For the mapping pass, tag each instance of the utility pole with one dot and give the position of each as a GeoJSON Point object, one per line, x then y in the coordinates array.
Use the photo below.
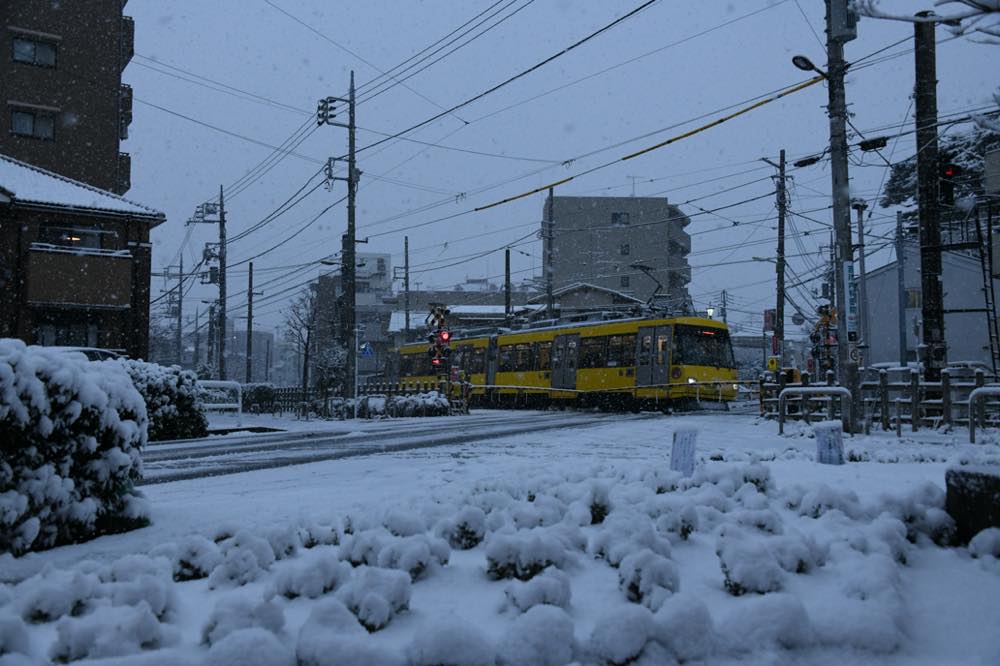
{"type": "Point", "coordinates": [840, 28]}
{"type": "Point", "coordinates": [197, 339]}
{"type": "Point", "coordinates": [326, 112]}
{"type": "Point", "coordinates": [179, 343]}
{"type": "Point", "coordinates": [250, 295]}
{"type": "Point", "coordinates": [550, 301]}
{"type": "Point", "coordinates": [779, 264]}
{"type": "Point", "coordinates": [860, 205]}
{"type": "Point", "coordinates": [222, 285]}
{"type": "Point", "coordinates": [901, 289]}
{"type": "Point", "coordinates": [725, 303]}
{"type": "Point", "coordinates": [506, 287]}
{"type": "Point", "coordinates": [267, 362]}
{"type": "Point", "coordinates": [925, 104]}
{"type": "Point", "coordinates": [406, 284]}
{"type": "Point", "coordinates": [211, 336]}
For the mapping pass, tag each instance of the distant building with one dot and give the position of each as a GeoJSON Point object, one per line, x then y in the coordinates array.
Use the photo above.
{"type": "Point", "coordinates": [236, 356]}
{"type": "Point", "coordinates": [965, 320]}
{"type": "Point", "coordinates": [65, 108]}
{"type": "Point", "coordinates": [600, 240]}
{"type": "Point", "coordinates": [74, 262]}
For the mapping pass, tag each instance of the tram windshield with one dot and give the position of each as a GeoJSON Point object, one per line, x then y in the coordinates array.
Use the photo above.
{"type": "Point", "coordinates": [696, 345]}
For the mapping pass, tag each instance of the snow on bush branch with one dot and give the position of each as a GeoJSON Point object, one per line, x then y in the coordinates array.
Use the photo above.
{"type": "Point", "coordinates": [70, 435]}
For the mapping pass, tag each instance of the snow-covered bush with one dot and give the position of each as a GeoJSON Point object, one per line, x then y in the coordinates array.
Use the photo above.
{"type": "Point", "coordinates": [109, 631]}
{"type": "Point", "coordinates": [241, 612]}
{"type": "Point", "coordinates": [774, 620]}
{"type": "Point", "coordinates": [451, 642]}
{"type": "Point", "coordinates": [250, 647]}
{"type": "Point", "coordinates": [431, 403]}
{"type": "Point", "coordinates": [375, 595]}
{"type": "Point", "coordinates": [195, 557]}
{"type": "Point", "coordinates": [525, 553]}
{"type": "Point", "coordinates": [332, 637]}
{"type": "Point", "coordinates": [313, 535]}
{"type": "Point", "coordinates": [647, 578]}
{"type": "Point", "coordinates": [594, 505]}
{"type": "Point", "coordinates": [70, 435]}
{"type": "Point", "coordinates": [258, 397]}
{"type": "Point", "coordinates": [403, 523]}
{"type": "Point", "coordinates": [683, 522]}
{"type": "Point", "coordinates": [172, 400]}
{"type": "Point", "coordinates": [13, 636]}
{"type": "Point", "coordinates": [986, 543]}
{"type": "Point", "coordinates": [465, 530]}
{"type": "Point", "coordinates": [748, 565]}
{"type": "Point", "coordinates": [414, 554]}
{"type": "Point", "coordinates": [543, 636]}
{"type": "Point", "coordinates": [684, 626]}
{"type": "Point", "coordinates": [53, 594]}
{"type": "Point", "coordinates": [621, 635]}
{"type": "Point", "coordinates": [312, 577]}
{"type": "Point", "coordinates": [284, 541]}
{"type": "Point", "coordinates": [550, 587]}
{"type": "Point", "coordinates": [624, 533]}
{"type": "Point", "coordinates": [245, 557]}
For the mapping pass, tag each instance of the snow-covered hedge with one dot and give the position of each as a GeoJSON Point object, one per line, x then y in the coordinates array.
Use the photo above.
{"type": "Point", "coordinates": [172, 400]}
{"type": "Point", "coordinates": [431, 403]}
{"type": "Point", "coordinates": [70, 435]}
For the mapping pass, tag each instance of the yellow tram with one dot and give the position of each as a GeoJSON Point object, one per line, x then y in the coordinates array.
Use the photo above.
{"type": "Point", "coordinates": [655, 362]}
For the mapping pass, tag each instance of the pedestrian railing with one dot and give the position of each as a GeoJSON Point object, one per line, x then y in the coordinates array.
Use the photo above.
{"type": "Point", "coordinates": [805, 393]}
{"type": "Point", "coordinates": [223, 406]}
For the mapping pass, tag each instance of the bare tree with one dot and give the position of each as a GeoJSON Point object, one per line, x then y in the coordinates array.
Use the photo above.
{"type": "Point", "coordinates": [300, 325]}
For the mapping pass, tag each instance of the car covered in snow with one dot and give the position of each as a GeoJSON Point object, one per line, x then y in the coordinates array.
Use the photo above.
{"type": "Point", "coordinates": [92, 353]}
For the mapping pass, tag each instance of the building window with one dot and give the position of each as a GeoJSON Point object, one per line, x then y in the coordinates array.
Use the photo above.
{"type": "Point", "coordinates": [70, 237]}
{"type": "Point", "coordinates": [34, 52]}
{"type": "Point", "coordinates": [381, 265]}
{"type": "Point", "coordinates": [625, 249]}
{"type": "Point", "coordinates": [619, 219]}
{"type": "Point", "coordinates": [625, 280]}
{"type": "Point", "coordinates": [913, 298]}
{"type": "Point", "coordinates": [36, 124]}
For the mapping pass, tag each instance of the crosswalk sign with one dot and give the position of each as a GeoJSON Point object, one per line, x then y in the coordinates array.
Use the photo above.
{"type": "Point", "coordinates": [366, 350]}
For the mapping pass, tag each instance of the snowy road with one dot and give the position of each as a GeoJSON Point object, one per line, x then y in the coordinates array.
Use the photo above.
{"type": "Point", "coordinates": [192, 459]}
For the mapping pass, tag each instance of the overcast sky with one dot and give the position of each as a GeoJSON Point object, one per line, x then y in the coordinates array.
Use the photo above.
{"type": "Point", "coordinates": [676, 75]}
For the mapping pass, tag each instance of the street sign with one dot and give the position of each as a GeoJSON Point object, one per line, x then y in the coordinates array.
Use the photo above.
{"type": "Point", "coordinates": [854, 353]}
{"type": "Point", "coordinates": [851, 291]}
{"type": "Point", "coordinates": [798, 319]}
{"type": "Point", "coordinates": [769, 318]}
{"type": "Point", "coordinates": [366, 350]}
{"type": "Point", "coordinates": [683, 450]}
{"type": "Point", "coordinates": [829, 442]}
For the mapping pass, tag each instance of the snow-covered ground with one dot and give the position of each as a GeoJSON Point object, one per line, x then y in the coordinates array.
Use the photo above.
{"type": "Point", "coordinates": [829, 570]}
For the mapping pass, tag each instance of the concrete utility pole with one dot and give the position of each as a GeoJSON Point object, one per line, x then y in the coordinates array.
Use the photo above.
{"type": "Point", "coordinates": [779, 264]}
{"type": "Point", "coordinates": [325, 114]}
{"type": "Point", "coordinates": [860, 205]}
{"type": "Point", "coordinates": [506, 287]}
{"type": "Point", "coordinates": [840, 28]}
{"type": "Point", "coordinates": [550, 301]}
{"type": "Point", "coordinates": [250, 294]}
{"type": "Point", "coordinates": [222, 285]}
{"type": "Point", "coordinates": [197, 339]}
{"type": "Point", "coordinates": [406, 285]}
{"type": "Point", "coordinates": [267, 362]}
{"type": "Point", "coordinates": [179, 342]}
{"type": "Point", "coordinates": [211, 336]}
{"type": "Point", "coordinates": [725, 303]}
{"type": "Point", "coordinates": [901, 290]}
{"type": "Point", "coordinates": [925, 104]}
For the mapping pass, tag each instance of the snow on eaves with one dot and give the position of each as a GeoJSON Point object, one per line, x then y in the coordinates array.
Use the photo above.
{"type": "Point", "coordinates": [33, 185]}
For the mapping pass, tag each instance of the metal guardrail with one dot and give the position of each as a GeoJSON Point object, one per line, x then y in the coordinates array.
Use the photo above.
{"type": "Point", "coordinates": [975, 398]}
{"type": "Point", "coordinates": [224, 406]}
{"type": "Point", "coordinates": [845, 402]}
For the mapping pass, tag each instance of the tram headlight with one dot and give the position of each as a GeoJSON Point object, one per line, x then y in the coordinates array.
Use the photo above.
{"type": "Point", "coordinates": [736, 387]}
{"type": "Point", "coordinates": [691, 380]}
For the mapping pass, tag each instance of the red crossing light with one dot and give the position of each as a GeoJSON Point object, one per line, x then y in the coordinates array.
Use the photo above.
{"type": "Point", "coordinates": [445, 336]}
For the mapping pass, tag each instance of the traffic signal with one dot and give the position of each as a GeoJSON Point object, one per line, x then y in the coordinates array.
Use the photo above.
{"type": "Point", "coordinates": [325, 111]}
{"type": "Point", "coordinates": [947, 174]}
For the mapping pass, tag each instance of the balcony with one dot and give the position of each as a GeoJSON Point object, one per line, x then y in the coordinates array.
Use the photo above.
{"type": "Point", "coordinates": [71, 278]}
{"type": "Point", "coordinates": [127, 41]}
{"type": "Point", "coordinates": [124, 110]}
{"type": "Point", "coordinates": [124, 182]}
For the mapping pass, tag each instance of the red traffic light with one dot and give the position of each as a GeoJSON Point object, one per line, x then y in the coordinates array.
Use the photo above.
{"type": "Point", "coordinates": [435, 361]}
{"type": "Point", "coordinates": [445, 336]}
{"type": "Point", "coordinates": [950, 170]}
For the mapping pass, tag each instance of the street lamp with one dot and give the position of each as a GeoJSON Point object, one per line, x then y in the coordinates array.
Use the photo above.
{"type": "Point", "coordinates": [710, 311]}
{"type": "Point", "coordinates": [806, 65]}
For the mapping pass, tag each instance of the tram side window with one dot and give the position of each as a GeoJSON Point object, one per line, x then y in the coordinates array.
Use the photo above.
{"type": "Point", "coordinates": [543, 356]}
{"type": "Point", "coordinates": [405, 365]}
{"type": "Point", "coordinates": [621, 351]}
{"type": "Point", "coordinates": [593, 352]}
{"type": "Point", "coordinates": [477, 362]}
{"type": "Point", "coordinates": [506, 358]}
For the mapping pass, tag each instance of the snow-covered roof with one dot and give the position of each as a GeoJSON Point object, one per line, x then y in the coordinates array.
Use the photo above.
{"type": "Point", "coordinates": [33, 185]}
{"type": "Point", "coordinates": [587, 285]}
{"type": "Point", "coordinates": [397, 320]}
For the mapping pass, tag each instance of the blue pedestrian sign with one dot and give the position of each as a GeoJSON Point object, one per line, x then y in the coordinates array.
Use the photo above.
{"type": "Point", "coordinates": [366, 350]}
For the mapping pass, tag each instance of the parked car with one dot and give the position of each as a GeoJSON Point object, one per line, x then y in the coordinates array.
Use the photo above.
{"type": "Point", "coordinates": [92, 353]}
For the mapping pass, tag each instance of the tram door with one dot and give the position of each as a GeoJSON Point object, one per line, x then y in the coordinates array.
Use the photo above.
{"type": "Point", "coordinates": [652, 355]}
{"type": "Point", "coordinates": [490, 363]}
{"type": "Point", "coordinates": [565, 350]}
